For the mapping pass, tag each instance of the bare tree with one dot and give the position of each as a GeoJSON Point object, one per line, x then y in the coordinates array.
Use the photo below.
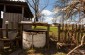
{"type": "Point", "coordinates": [36, 5]}
{"type": "Point", "coordinates": [60, 4]}
{"type": "Point", "coordinates": [72, 8]}
{"type": "Point", "coordinates": [75, 7]}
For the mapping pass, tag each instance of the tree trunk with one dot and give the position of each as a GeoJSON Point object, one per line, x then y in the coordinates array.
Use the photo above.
{"type": "Point", "coordinates": [36, 16]}
{"type": "Point", "coordinates": [36, 19]}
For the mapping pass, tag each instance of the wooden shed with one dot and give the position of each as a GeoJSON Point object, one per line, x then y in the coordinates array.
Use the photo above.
{"type": "Point", "coordinates": [15, 11]}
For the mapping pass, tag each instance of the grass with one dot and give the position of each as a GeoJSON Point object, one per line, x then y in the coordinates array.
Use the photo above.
{"type": "Point", "coordinates": [53, 30]}
{"type": "Point", "coordinates": [60, 53]}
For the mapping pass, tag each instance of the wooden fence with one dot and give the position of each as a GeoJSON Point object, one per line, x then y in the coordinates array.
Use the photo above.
{"type": "Point", "coordinates": [70, 33]}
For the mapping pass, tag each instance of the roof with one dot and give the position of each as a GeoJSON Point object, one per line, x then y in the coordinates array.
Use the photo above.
{"type": "Point", "coordinates": [16, 7]}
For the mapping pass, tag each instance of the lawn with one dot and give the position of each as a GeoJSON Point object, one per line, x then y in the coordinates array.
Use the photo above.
{"type": "Point", "coordinates": [60, 53]}
{"type": "Point", "coordinates": [53, 30]}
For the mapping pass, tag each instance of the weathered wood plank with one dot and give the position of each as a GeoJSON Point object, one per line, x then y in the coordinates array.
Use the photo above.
{"type": "Point", "coordinates": [76, 31]}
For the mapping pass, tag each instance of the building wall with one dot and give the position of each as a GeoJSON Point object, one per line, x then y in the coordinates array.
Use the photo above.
{"type": "Point", "coordinates": [14, 19]}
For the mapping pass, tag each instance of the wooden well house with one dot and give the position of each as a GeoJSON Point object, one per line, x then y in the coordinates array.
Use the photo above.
{"type": "Point", "coordinates": [13, 13]}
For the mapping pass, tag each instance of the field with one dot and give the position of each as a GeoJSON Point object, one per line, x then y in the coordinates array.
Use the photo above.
{"type": "Point", "coordinates": [53, 30]}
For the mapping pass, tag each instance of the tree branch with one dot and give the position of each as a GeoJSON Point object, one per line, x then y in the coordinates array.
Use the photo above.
{"type": "Point", "coordinates": [33, 2]}
{"type": "Point", "coordinates": [82, 43]}
{"type": "Point", "coordinates": [30, 4]}
{"type": "Point", "coordinates": [45, 6]}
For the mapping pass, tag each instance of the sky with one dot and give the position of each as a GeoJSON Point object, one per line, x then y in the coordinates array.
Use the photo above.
{"type": "Point", "coordinates": [48, 16]}
{"type": "Point", "coordinates": [48, 11]}
{"type": "Point", "coordinates": [51, 5]}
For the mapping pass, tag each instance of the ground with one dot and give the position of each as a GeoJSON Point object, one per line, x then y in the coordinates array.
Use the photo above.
{"type": "Point", "coordinates": [39, 52]}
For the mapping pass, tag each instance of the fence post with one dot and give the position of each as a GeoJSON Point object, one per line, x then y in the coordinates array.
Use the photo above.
{"type": "Point", "coordinates": [81, 30]}
{"type": "Point", "coordinates": [78, 27]}
{"type": "Point", "coordinates": [59, 32]}
{"type": "Point", "coordinates": [6, 23]}
{"type": "Point", "coordinates": [66, 30]}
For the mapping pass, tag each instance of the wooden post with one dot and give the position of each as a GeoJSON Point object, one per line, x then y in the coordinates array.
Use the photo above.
{"type": "Point", "coordinates": [77, 35]}
{"type": "Point", "coordinates": [84, 26]}
{"type": "Point", "coordinates": [4, 8]}
{"type": "Point", "coordinates": [0, 13]}
{"type": "Point", "coordinates": [21, 28]}
{"type": "Point", "coordinates": [0, 25]}
{"type": "Point", "coordinates": [6, 23]}
{"type": "Point", "coordinates": [81, 30]}
{"type": "Point", "coordinates": [62, 26]}
{"type": "Point", "coordinates": [59, 32]}
{"type": "Point", "coordinates": [72, 26]}
{"type": "Point", "coordinates": [48, 28]}
{"type": "Point", "coordinates": [6, 30]}
{"type": "Point", "coordinates": [74, 32]}
{"type": "Point", "coordinates": [0, 20]}
{"type": "Point", "coordinates": [22, 13]}
{"type": "Point", "coordinates": [66, 29]}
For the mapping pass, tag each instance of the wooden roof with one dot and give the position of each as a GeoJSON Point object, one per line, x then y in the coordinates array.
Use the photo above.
{"type": "Point", "coordinates": [16, 7]}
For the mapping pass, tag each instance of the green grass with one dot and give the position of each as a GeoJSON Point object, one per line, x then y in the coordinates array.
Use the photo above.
{"type": "Point", "coordinates": [53, 30]}
{"type": "Point", "coordinates": [40, 27]}
{"type": "Point", "coordinates": [60, 53]}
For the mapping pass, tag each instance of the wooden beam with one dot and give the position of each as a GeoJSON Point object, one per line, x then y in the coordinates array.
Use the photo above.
{"type": "Point", "coordinates": [34, 24]}
{"type": "Point", "coordinates": [22, 13]}
{"type": "Point", "coordinates": [12, 5]}
{"type": "Point", "coordinates": [0, 13]}
{"type": "Point", "coordinates": [21, 28]}
{"type": "Point", "coordinates": [82, 0]}
{"type": "Point", "coordinates": [4, 8]}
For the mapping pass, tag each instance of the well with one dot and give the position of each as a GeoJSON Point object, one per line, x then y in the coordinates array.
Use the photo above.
{"type": "Point", "coordinates": [35, 39]}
